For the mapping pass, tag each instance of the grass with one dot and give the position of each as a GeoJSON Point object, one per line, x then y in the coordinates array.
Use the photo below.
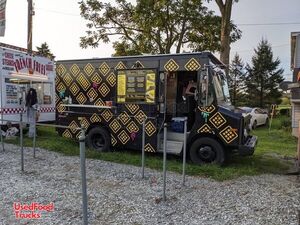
{"type": "Point", "coordinates": [269, 155]}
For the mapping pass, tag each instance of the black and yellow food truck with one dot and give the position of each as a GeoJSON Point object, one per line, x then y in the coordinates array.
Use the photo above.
{"type": "Point", "coordinates": [111, 98]}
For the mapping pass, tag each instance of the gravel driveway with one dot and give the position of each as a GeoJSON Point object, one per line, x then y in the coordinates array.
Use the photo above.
{"type": "Point", "coordinates": [117, 194]}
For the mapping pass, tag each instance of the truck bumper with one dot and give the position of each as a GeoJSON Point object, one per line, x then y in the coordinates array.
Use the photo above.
{"type": "Point", "coordinates": [248, 147]}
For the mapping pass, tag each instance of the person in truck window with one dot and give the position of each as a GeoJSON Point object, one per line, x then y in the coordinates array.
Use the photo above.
{"type": "Point", "coordinates": [31, 105]}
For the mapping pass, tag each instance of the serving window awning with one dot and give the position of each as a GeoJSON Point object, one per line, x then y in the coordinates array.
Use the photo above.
{"type": "Point", "coordinates": [29, 77]}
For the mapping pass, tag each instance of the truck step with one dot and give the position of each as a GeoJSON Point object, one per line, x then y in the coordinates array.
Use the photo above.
{"type": "Point", "coordinates": [173, 147]}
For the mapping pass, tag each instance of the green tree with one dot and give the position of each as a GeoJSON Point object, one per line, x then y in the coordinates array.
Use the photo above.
{"type": "Point", "coordinates": [236, 81]}
{"type": "Point", "coordinates": [44, 50]}
{"type": "Point", "coordinates": [263, 77]}
{"type": "Point", "coordinates": [152, 26]}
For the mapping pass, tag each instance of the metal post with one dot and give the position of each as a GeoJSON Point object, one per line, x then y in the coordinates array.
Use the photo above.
{"type": "Point", "coordinates": [184, 151]}
{"type": "Point", "coordinates": [83, 174]}
{"type": "Point", "coordinates": [143, 149]}
{"type": "Point", "coordinates": [21, 141]}
{"type": "Point", "coordinates": [2, 139]}
{"type": "Point", "coordinates": [165, 162]}
{"type": "Point", "coordinates": [34, 132]}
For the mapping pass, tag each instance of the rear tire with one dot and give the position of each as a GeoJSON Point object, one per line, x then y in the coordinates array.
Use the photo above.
{"type": "Point", "coordinates": [207, 151]}
{"type": "Point", "coordinates": [267, 122]}
{"type": "Point", "coordinates": [99, 139]}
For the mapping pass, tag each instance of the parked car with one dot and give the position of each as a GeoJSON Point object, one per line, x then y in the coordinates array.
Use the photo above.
{"type": "Point", "coordinates": [259, 117]}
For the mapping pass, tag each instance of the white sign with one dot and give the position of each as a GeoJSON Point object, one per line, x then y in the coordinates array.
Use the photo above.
{"type": "Point", "coordinates": [2, 17]}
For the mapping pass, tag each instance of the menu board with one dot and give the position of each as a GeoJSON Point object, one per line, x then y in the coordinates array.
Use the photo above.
{"type": "Point", "coordinates": [134, 86]}
{"type": "Point", "coordinates": [11, 94]}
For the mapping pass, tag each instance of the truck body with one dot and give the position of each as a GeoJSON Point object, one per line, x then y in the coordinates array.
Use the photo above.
{"type": "Point", "coordinates": [20, 71]}
{"type": "Point", "coordinates": [111, 98]}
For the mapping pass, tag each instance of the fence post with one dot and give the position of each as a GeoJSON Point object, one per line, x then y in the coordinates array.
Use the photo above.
{"type": "Point", "coordinates": [165, 162]}
{"type": "Point", "coordinates": [2, 139]}
{"type": "Point", "coordinates": [184, 151]}
{"type": "Point", "coordinates": [143, 149]}
{"type": "Point", "coordinates": [34, 132]}
{"type": "Point", "coordinates": [298, 147]}
{"type": "Point", "coordinates": [83, 174]}
{"type": "Point", "coordinates": [21, 141]}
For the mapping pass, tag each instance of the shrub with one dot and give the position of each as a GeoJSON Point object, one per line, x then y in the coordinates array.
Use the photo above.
{"type": "Point", "coordinates": [286, 124]}
{"type": "Point", "coordinates": [284, 112]}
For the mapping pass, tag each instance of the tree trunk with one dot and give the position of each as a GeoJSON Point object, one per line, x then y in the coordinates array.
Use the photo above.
{"type": "Point", "coordinates": [225, 9]}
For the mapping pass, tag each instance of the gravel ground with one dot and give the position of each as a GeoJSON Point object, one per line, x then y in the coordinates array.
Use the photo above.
{"type": "Point", "coordinates": [117, 194]}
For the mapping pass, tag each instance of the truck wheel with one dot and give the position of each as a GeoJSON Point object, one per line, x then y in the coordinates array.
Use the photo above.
{"type": "Point", "coordinates": [207, 150]}
{"type": "Point", "coordinates": [98, 139]}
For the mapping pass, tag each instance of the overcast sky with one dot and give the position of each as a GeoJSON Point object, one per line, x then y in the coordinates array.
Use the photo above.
{"type": "Point", "coordinates": [58, 23]}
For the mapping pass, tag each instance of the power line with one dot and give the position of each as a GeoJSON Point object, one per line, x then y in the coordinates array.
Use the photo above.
{"type": "Point", "coordinates": [267, 24]}
{"type": "Point", "coordinates": [238, 24]}
{"type": "Point", "coordinates": [58, 12]}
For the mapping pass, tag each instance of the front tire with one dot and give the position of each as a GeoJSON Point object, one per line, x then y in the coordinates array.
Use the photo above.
{"type": "Point", "coordinates": [206, 151]}
{"type": "Point", "coordinates": [99, 139]}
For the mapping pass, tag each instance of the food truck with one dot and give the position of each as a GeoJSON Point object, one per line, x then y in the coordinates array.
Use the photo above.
{"type": "Point", "coordinates": [111, 98]}
{"type": "Point", "coordinates": [19, 72]}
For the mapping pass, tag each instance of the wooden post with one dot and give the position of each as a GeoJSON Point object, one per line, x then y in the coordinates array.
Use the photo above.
{"type": "Point", "coordinates": [298, 147]}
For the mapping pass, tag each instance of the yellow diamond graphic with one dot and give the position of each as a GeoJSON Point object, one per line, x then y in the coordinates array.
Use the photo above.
{"type": "Point", "coordinates": [74, 89]}
{"type": "Point", "coordinates": [104, 89]}
{"type": "Point", "coordinates": [192, 65]}
{"type": "Point", "coordinates": [120, 66]}
{"type": "Point", "coordinates": [61, 69]}
{"type": "Point", "coordinates": [60, 108]}
{"type": "Point", "coordinates": [133, 108]}
{"type": "Point", "coordinates": [73, 126]}
{"type": "Point", "coordinates": [75, 70]}
{"type": "Point", "coordinates": [95, 118]}
{"type": "Point", "coordinates": [57, 80]}
{"type": "Point", "coordinates": [217, 120]}
{"type": "Point", "coordinates": [104, 68]}
{"type": "Point", "coordinates": [205, 129]}
{"type": "Point", "coordinates": [111, 79]}
{"type": "Point", "coordinates": [81, 99]}
{"type": "Point", "coordinates": [113, 141]}
{"type": "Point", "coordinates": [99, 102]}
{"type": "Point", "coordinates": [149, 148]}
{"type": "Point", "coordinates": [96, 78]}
{"type": "Point", "coordinates": [67, 134]}
{"type": "Point", "coordinates": [84, 122]}
{"type": "Point", "coordinates": [68, 79]}
{"type": "Point", "coordinates": [137, 64]}
{"type": "Point", "coordinates": [140, 116]}
{"type": "Point", "coordinates": [207, 109]}
{"type": "Point", "coordinates": [124, 117]}
{"type": "Point", "coordinates": [228, 134]}
{"type": "Point", "coordinates": [60, 87]}
{"type": "Point", "coordinates": [132, 127]}
{"type": "Point", "coordinates": [171, 65]}
{"type": "Point", "coordinates": [123, 137]}
{"type": "Point", "coordinates": [89, 69]}
{"type": "Point", "coordinates": [107, 115]}
{"type": "Point", "coordinates": [83, 82]}
{"type": "Point", "coordinates": [115, 126]}
{"type": "Point", "coordinates": [57, 99]}
{"type": "Point", "coordinates": [150, 128]}
{"type": "Point", "coordinates": [92, 94]}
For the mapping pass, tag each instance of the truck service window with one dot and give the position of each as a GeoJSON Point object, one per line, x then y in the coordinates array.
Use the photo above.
{"type": "Point", "coordinates": [136, 86]}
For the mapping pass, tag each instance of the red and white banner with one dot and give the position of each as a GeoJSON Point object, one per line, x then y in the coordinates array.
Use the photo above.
{"type": "Point", "coordinates": [2, 17]}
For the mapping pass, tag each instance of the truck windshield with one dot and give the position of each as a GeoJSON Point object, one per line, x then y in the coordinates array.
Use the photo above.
{"type": "Point", "coordinates": [221, 88]}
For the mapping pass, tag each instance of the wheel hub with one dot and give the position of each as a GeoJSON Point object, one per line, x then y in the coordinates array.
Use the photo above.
{"type": "Point", "coordinates": [206, 153]}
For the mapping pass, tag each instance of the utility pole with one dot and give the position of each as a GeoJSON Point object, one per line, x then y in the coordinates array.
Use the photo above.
{"type": "Point", "coordinates": [29, 27]}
